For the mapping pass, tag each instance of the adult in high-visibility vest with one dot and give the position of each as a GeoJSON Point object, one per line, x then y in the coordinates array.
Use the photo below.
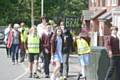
{"type": "Point", "coordinates": [23, 37]}
{"type": "Point", "coordinates": [83, 50]}
{"type": "Point", "coordinates": [33, 48]}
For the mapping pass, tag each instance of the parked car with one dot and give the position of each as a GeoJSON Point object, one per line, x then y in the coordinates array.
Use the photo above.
{"type": "Point", "coordinates": [2, 35]}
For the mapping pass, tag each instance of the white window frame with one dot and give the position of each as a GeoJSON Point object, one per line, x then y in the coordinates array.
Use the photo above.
{"type": "Point", "coordinates": [108, 2]}
{"type": "Point", "coordinates": [102, 3]}
{"type": "Point", "coordinates": [114, 2]}
{"type": "Point", "coordinates": [94, 2]}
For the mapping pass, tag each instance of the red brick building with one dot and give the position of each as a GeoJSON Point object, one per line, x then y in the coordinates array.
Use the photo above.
{"type": "Point", "coordinates": [102, 14]}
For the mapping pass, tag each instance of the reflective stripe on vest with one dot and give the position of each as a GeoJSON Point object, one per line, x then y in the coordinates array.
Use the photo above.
{"type": "Point", "coordinates": [33, 44]}
{"type": "Point", "coordinates": [82, 47]}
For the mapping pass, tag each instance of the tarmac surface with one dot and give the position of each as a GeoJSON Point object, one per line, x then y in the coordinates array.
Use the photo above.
{"type": "Point", "coordinates": [19, 71]}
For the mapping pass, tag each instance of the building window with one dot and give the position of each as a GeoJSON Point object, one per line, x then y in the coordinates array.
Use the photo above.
{"type": "Point", "coordinates": [114, 2]}
{"type": "Point", "coordinates": [103, 2]}
{"type": "Point", "coordinates": [90, 3]}
{"type": "Point", "coordinates": [108, 2]}
{"type": "Point", "coordinates": [93, 3]}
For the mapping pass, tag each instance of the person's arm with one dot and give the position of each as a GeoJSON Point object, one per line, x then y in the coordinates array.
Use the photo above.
{"type": "Point", "coordinates": [109, 48]}
{"type": "Point", "coordinates": [6, 36]}
{"type": "Point", "coordinates": [26, 45]}
{"type": "Point", "coordinates": [5, 32]}
{"type": "Point", "coordinates": [19, 40]}
{"type": "Point", "coordinates": [40, 46]}
{"type": "Point", "coordinates": [51, 42]}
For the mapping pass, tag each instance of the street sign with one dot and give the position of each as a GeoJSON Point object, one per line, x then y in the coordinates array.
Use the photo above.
{"type": "Point", "coordinates": [72, 22]}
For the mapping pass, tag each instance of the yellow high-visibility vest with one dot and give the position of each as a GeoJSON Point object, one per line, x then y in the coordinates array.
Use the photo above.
{"type": "Point", "coordinates": [24, 35]}
{"type": "Point", "coordinates": [33, 44]}
{"type": "Point", "coordinates": [83, 47]}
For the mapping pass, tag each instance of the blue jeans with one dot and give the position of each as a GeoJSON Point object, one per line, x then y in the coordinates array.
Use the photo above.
{"type": "Point", "coordinates": [15, 50]}
{"type": "Point", "coordinates": [65, 64]}
{"type": "Point", "coordinates": [85, 59]}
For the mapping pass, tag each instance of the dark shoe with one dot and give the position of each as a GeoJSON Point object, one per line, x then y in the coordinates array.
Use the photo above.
{"type": "Point", "coordinates": [65, 78]}
{"type": "Point", "coordinates": [47, 76]}
{"type": "Point", "coordinates": [21, 61]}
{"type": "Point", "coordinates": [79, 76]}
{"type": "Point", "coordinates": [39, 70]}
{"type": "Point", "coordinates": [30, 76]}
{"type": "Point", "coordinates": [35, 75]}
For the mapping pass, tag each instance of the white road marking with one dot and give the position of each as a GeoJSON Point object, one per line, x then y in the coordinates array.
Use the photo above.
{"type": "Point", "coordinates": [23, 74]}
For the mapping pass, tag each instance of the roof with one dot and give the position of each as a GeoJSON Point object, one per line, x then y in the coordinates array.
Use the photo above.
{"type": "Point", "coordinates": [92, 14]}
{"type": "Point", "coordinates": [106, 16]}
{"type": "Point", "coordinates": [87, 14]}
{"type": "Point", "coordinates": [97, 13]}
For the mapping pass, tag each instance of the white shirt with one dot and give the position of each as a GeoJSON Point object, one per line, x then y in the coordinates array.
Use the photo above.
{"type": "Point", "coordinates": [6, 32]}
{"type": "Point", "coordinates": [42, 29]}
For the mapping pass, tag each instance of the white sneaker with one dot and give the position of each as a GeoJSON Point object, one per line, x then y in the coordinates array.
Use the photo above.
{"type": "Point", "coordinates": [57, 78]}
{"type": "Point", "coordinates": [52, 77]}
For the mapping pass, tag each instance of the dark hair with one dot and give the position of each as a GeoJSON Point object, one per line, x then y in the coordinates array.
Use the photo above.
{"type": "Point", "coordinates": [67, 31]}
{"type": "Point", "coordinates": [22, 21]}
{"type": "Point", "coordinates": [12, 25]}
{"type": "Point", "coordinates": [61, 20]}
{"type": "Point", "coordinates": [44, 17]}
{"type": "Point", "coordinates": [57, 28]}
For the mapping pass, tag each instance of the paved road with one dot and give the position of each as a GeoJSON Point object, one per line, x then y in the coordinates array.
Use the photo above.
{"type": "Point", "coordinates": [20, 71]}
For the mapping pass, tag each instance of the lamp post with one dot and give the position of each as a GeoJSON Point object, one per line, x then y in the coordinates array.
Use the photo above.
{"type": "Point", "coordinates": [32, 12]}
{"type": "Point", "coordinates": [42, 7]}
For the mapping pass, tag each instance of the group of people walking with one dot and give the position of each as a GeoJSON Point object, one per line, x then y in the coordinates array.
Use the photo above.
{"type": "Point", "coordinates": [54, 45]}
{"type": "Point", "coordinates": [51, 45]}
{"type": "Point", "coordinates": [15, 37]}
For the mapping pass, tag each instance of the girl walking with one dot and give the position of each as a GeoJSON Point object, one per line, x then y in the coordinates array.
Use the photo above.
{"type": "Point", "coordinates": [56, 53]}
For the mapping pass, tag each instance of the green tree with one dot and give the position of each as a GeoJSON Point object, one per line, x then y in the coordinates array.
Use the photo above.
{"type": "Point", "coordinates": [16, 10]}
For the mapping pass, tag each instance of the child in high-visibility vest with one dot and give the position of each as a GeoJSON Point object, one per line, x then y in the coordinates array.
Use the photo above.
{"type": "Point", "coordinates": [33, 49]}
{"type": "Point", "coordinates": [83, 49]}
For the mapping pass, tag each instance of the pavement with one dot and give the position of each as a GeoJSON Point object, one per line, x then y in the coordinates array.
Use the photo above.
{"type": "Point", "coordinates": [19, 71]}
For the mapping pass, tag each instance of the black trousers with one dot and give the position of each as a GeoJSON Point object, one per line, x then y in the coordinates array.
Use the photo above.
{"type": "Point", "coordinates": [9, 51]}
{"type": "Point", "coordinates": [22, 52]}
{"type": "Point", "coordinates": [46, 61]}
{"type": "Point", "coordinates": [114, 67]}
